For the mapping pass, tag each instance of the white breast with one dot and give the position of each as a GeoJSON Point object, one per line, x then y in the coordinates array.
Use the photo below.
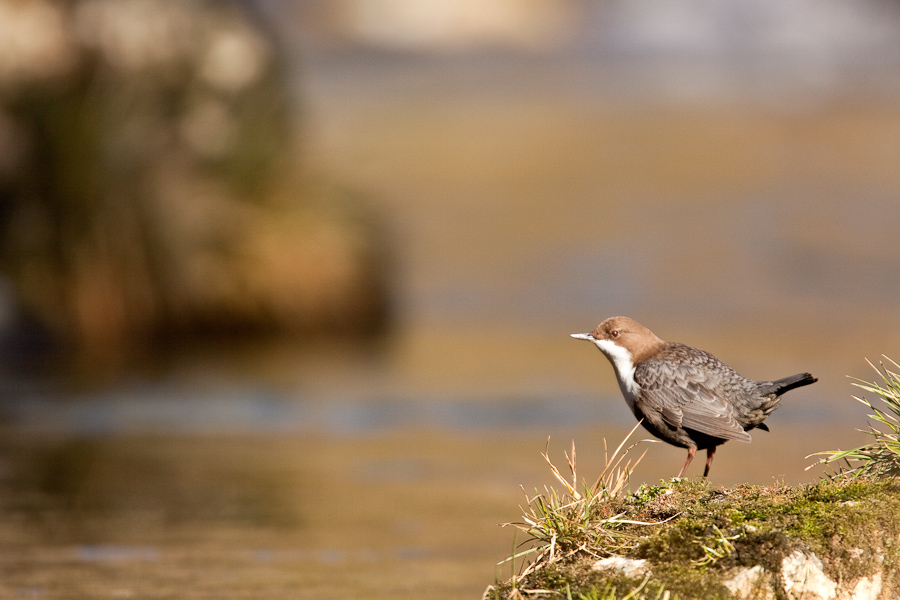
{"type": "Point", "coordinates": [624, 367]}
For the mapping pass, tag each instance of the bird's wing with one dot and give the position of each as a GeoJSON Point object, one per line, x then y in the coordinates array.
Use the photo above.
{"type": "Point", "coordinates": [684, 395]}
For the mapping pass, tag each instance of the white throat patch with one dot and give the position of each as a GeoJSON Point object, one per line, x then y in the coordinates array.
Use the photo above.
{"type": "Point", "coordinates": [621, 360]}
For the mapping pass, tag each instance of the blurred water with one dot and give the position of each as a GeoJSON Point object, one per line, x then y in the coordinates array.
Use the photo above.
{"type": "Point", "coordinates": [175, 409]}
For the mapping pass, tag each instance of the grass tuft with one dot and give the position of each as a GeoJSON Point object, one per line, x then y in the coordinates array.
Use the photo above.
{"type": "Point", "coordinates": [562, 523]}
{"type": "Point", "coordinates": [880, 458]}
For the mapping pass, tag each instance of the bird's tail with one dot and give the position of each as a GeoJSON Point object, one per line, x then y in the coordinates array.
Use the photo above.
{"type": "Point", "coordinates": [786, 384]}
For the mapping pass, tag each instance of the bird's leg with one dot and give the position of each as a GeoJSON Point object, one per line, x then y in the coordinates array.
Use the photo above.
{"type": "Point", "coordinates": [710, 452]}
{"type": "Point", "coordinates": [691, 453]}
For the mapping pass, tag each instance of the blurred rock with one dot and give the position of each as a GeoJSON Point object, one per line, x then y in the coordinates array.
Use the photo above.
{"type": "Point", "coordinates": [149, 187]}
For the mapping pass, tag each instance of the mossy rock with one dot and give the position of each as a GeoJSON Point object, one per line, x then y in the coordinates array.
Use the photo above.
{"type": "Point", "coordinates": [829, 540]}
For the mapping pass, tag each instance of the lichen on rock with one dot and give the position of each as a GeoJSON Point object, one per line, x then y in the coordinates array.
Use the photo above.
{"type": "Point", "coordinates": [629, 567]}
{"type": "Point", "coordinates": [750, 583]}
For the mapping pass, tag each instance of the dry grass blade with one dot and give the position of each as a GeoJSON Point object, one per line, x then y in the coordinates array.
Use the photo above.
{"type": "Point", "coordinates": [571, 460]}
{"type": "Point", "coordinates": [616, 476]}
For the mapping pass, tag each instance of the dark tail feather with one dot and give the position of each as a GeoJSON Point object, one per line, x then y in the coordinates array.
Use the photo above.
{"type": "Point", "coordinates": [788, 383]}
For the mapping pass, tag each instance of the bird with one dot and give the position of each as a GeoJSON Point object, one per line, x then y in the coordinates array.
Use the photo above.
{"type": "Point", "coordinates": [683, 395]}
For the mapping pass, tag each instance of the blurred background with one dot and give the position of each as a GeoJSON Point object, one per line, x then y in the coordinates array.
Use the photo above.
{"type": "Point", "coordinates": [286, 285]}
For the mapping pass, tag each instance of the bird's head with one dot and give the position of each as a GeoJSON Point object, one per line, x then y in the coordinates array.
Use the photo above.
{"type": "Point", "coordinates": [622, 338]}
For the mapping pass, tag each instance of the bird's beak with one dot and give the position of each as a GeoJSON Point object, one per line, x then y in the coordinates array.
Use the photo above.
{"type": "Point", "coordinates": [583, 336]}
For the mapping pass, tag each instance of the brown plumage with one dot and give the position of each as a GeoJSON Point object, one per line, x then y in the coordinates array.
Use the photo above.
{"type": "Point", "coordinates": [686, 396]}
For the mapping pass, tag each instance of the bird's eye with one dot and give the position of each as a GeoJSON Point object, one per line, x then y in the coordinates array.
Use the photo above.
{"type": "Point", "coordinates": [614, 333]}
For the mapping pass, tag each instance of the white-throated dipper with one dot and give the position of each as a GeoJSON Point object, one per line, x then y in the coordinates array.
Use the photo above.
{"type": "Point", "coordinates": [686, 396]}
